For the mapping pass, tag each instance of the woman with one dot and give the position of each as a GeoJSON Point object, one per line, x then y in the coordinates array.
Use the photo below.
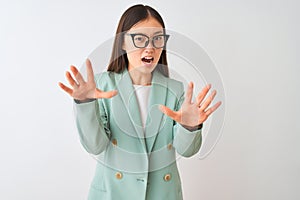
{"type": "Point", "coordinates": [134, 117]}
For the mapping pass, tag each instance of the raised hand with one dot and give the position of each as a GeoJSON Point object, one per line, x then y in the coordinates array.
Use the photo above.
{"type": "Point", "coordinates": [191, 114]}
{"type": "Point", "coordinates": [84, 90]}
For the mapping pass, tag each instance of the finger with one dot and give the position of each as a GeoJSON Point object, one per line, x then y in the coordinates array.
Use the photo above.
{"type": "Point", "coordinates": [208, 101]}
{"type": "Point", "coordinates": [71, 80]}
{"type": "Point", "coordinates": [77, 75]}
{"type": "Point", "coordinates": [202, 94]}
{"type": "Point", "coordinates": [212, 109]}
{"type": "Point", "coordinates": [100, 94]}
{"type": "Point", "coordinates": [189, 93]}
{"type": "Point", "coordinates": [167, 111]}
{"type": "Point", "coordinates": [89, 70]}
{"type": "Point", "coordinates": [65, 88]}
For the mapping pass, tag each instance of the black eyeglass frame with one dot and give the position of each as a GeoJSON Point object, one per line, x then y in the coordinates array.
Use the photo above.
{"type": "Point", "coordinates": [147, 43]}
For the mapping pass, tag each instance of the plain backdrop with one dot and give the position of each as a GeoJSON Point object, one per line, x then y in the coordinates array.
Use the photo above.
{"type": "Point", "coordinates": [255, 45]}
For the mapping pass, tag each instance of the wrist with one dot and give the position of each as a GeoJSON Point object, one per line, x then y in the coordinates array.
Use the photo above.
{"type": "Point", "coordinates": [84, 101]}
{"type": "Point", "coordinates": [193, 128]}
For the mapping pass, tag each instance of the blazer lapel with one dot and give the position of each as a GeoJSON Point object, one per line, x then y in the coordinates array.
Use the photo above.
{"type": "Point", "coordinates": [155, 116]}
{"type": "Point", "coordinates": [129, 115]}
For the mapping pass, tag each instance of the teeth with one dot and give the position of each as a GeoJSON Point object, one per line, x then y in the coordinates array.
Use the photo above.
{"type": "Point", "coordinates": [147, 59]}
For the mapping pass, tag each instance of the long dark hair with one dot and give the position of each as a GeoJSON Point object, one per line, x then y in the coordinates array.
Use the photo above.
{"type": "Point", "coordinates": [134, 14]}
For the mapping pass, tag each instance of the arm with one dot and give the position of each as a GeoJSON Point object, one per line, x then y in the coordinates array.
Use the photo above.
{"type": "Point", "coordinates": [189, 115]}
{"type": "Point", "coordinates": [91, 118]}
{"type": "Point", "coordinates": [187, 141]}
{"type": "Point", "coordinates": [92, 126]}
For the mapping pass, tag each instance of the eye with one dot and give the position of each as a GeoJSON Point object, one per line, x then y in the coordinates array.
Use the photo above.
{"type": "Point", "coordinates": [139, 38]}
{"type": "Point", "coordinates": [158, 37]}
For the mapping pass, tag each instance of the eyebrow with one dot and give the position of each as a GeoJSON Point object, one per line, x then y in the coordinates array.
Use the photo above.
{"type": "Point", "coordinates": [157, 32]}
{"type": "Point", "coordinates": [153, 33]}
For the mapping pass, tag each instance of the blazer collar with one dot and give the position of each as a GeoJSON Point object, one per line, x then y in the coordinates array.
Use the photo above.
{"type": "Point", "coordinates": [154, 120]}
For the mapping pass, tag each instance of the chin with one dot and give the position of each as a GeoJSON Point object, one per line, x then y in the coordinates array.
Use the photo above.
{"type": "Point", "coordinates": [146, 70]}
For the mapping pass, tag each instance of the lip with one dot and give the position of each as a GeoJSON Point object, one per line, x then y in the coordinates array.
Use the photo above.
{"type": "Point", "coordinates": [147, 64]}
{"type": "Point", "coordinates": [147, 60]}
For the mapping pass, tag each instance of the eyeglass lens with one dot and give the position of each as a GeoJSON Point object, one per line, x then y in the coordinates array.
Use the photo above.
{"type": "Point", "coordinates": [142, 41]}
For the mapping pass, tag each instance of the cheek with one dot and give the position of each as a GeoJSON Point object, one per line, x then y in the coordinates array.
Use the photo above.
{"type": "Point", "coordinates": [128, 46]}
{"type": "Point", "coordinates": [158, 55]}
{"type": "Point", "coordinates": [134, 56]}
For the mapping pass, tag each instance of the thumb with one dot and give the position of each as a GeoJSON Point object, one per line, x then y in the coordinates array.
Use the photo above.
{"type": "Point", "coordinates": [167, 111]}
{"type": "Point", "coordinates": [101, 94]}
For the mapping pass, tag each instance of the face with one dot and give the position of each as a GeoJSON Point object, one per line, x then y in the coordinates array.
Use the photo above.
{"type": "Point", "coordinates": [143, 59]}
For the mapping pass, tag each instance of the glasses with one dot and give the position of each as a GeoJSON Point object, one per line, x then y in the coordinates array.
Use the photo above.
{"type": "Point", "coordinates": [141, 41]}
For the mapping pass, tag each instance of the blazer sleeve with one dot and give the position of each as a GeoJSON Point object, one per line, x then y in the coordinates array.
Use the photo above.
{"type": "Point", "coordinates": [93, 126]}
{"type": "Point", "coordinates": [187, 143]}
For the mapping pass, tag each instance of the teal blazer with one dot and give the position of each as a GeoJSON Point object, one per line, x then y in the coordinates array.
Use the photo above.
{"type": "Point", "coordinates": [135, 163]}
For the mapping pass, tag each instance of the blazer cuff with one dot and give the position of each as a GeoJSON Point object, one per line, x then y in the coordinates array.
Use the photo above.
{"type": "Point", "coordinates": [186, 142]}
{"type": "Point", "coordinates": [80, 102]}
{"type": "Point", "coordinates": [193, 128]}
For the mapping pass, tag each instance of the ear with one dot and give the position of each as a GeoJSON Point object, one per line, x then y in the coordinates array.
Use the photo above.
{"type": "Point", "coordinates": [123, 46]}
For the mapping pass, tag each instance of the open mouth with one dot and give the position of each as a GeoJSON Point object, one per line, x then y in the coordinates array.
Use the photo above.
{"type": "Point", "coordinates": [147, 59]}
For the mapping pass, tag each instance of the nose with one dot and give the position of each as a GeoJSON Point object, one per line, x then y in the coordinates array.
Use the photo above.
{"type": "Point", "coordinates": [149, 47]}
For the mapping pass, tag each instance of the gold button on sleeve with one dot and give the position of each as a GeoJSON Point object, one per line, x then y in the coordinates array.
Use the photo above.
{"type": "Point", "coordinates": [170, 146]}
{"type": "Point", "coordinates": [167, 177]}
{"type": "Point", "coordinates": [114, 142]}
{"type": "Point", "coordinates": [119, 175]}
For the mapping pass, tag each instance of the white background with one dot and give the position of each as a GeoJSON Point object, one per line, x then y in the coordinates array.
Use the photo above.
{"type": "Point", "coordinates": [254, 44]}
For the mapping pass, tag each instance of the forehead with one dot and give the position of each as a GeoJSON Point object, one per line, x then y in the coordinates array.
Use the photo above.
{"type": "Point", "coordinates": [149, 25]}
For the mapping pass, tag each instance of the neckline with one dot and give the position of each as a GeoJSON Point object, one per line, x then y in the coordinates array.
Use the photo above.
{"type": "Point", "coordinates": [141, 85]}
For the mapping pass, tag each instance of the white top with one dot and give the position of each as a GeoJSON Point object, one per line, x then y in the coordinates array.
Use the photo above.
{"type": "Point", "coordinates": [142, 93]}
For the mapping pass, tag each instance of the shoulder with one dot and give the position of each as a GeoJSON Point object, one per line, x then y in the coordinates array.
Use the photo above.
{"type": "Point", "coordinates": [105, 78]}
{"type": "Point", "coordinates": [174, 86]}
{"type": "Point", "coordinates": [104, 75]}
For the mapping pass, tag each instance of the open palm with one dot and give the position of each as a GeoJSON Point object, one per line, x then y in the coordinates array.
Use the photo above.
{"type": "Point", "coordinates": [191, 114]}
{"type": "Point", "coordinates": [84, 90]}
